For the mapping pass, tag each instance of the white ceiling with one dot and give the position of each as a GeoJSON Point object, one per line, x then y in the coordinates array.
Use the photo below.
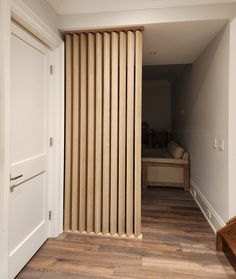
{"type": "Point", "coordinates": [178, 43]}
{"type": "Point", "coordinates": [163, 43]}
{"type": "Point", "coordinates": [63, 7]}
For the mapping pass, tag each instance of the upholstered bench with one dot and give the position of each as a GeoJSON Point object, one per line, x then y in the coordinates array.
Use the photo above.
{"type": "Point", "coordinates": [166, 167]}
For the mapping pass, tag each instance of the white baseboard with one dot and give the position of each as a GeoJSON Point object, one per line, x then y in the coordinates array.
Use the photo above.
{"type": "Point", "coordinates": [207, 209]}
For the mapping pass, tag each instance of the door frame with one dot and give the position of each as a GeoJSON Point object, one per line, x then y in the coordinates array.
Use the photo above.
{"type": "Point", "coordinates": [22, 15]}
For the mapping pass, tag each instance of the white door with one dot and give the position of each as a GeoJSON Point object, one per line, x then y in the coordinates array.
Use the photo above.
{"type": "Point", "coordinates": [28, 212]}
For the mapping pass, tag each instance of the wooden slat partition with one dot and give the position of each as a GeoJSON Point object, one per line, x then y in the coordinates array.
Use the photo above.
{"type": "Point", "coordinates": [130, 134]}
{"type": "Point", "coordinates": [98, 136]}
{"type": "Point", "coordinates": [103, 133]}
{"type": "Point", "coordinates": [68, 134]}
{"type": "Point", "coordinates": [114, 132]}
{"type": "Point", "coordinates": [75, 145]}
{"type": "Point", "coordinates": [122, 133]}
{"type": "Point", "coordinates": [83, 132]}
{"type": "Point", "coordinates": [98, 142]}
{"type": "Point", "coordinates": [106, 133]}
{"type": "Point", "coordinates": [138, 133]}
{"type": "Point", "coordinates": [90, 141]}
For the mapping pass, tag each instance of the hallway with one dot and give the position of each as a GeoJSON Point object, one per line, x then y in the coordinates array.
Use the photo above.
{"type": "Point", "coordinates": [177, 243]}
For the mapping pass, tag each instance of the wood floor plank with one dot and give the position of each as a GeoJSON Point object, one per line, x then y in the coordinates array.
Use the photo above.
{"type": "Point", "coordinates": [177, 243]}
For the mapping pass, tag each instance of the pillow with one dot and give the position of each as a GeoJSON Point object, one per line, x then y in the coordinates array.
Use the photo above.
{"type": "Point", "coordinates": [186, 156]}
{"type": "Point", "coordinates": [175, 150]}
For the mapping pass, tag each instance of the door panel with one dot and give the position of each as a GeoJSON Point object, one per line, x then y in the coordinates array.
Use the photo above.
{"type": "Point", "coordinates": [19, 209]}
{"type": "Point", "coordinates": [28, 101]}
{"type": "Point", "coordinates": [29, 168]}
{"type": "Point", "coordinates": [28, 222]}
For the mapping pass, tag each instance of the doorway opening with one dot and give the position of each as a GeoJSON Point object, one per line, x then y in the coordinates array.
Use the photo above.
{"type": "Point", "coordinates": [185, 75]}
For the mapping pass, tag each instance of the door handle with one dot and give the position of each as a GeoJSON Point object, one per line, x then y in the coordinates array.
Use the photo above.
{"type": "Point", "coordinates": [16, 177]}
{"type": "Point", "coordinates": [12, 179]}
{"type": "Point", "coordinates": [12, 188]}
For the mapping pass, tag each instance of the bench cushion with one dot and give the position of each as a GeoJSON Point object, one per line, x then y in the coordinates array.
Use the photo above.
{"type": "Point", "coordinates": [165, 161]}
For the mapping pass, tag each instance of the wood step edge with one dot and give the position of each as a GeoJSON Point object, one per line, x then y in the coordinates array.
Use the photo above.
{"type": "Point", "coordinates": [230, 239]}
{"type": "Point", "coordinates": [231, 221]}
{"type": "Point", "coordinates": [229, 228]}
{"type": "Point", "coordinates": [228, 251]}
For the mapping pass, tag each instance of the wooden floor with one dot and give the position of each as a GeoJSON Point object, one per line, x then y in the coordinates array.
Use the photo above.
{"type": "Point", "coordinates": [177, 244]}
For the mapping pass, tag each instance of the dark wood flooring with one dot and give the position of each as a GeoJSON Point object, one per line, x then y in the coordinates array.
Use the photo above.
{"type": "Point", "coordinates": [177, 243]}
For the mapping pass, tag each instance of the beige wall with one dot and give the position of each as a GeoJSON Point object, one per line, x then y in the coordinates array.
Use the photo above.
{"type": "Point", "coordinates": [201, 93]}
{"type": "Point", "coordinates": [157, 104]}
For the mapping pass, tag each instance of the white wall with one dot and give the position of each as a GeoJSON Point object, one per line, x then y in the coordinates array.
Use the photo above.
{"type": "Point", "coordinates": [148, 16]}
{"type": "Point", "coordinates": [156, 104]}
{"type": "Point", "coordinates": [202, 92]}
{"type": "Point", "coordinates": [232, 120]}
{"type": "Point", "coordinates": [42, 9]}
{"type": "Point", "coordinates": [84, 7]}
{"type": "Point", "coordinates": [4, 133]}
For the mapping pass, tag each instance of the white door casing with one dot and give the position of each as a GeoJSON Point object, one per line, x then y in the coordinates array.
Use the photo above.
{"type": "Point", "coordinates": [28, 200]}
{"type": "Point", "coordinates": [23, 15]}
{"type": "Point", "coordinates": [4, 131]}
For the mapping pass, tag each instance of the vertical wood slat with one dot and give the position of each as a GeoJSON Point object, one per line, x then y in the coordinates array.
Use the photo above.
{"type": "Point", "coordinates": [138, 134]}
{"type": "Point", "coordinates": [122, 132]}
{"type": "Point", "coordinates": [83, 132]}
{"type": "Point", "coordinates": [67, 206]}
{"type": "Point", "coordinates": [75, 127]}
{"type": "Point", "coordinates": [98, 137]}
{"type": "Point", "coordinates": [91, 114]}
{"type": "Point", "coordinates": [114, 131]}
{"type": "Point", "coordinates": [130, 133]}
{"type": "Point", "coordinates": [106, 132]}
{"type": "Point", "coordinates": [103, 133]}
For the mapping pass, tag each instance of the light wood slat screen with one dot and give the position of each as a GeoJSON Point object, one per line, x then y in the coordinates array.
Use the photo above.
{"type": "Point", "coordinates": [103, 133]}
